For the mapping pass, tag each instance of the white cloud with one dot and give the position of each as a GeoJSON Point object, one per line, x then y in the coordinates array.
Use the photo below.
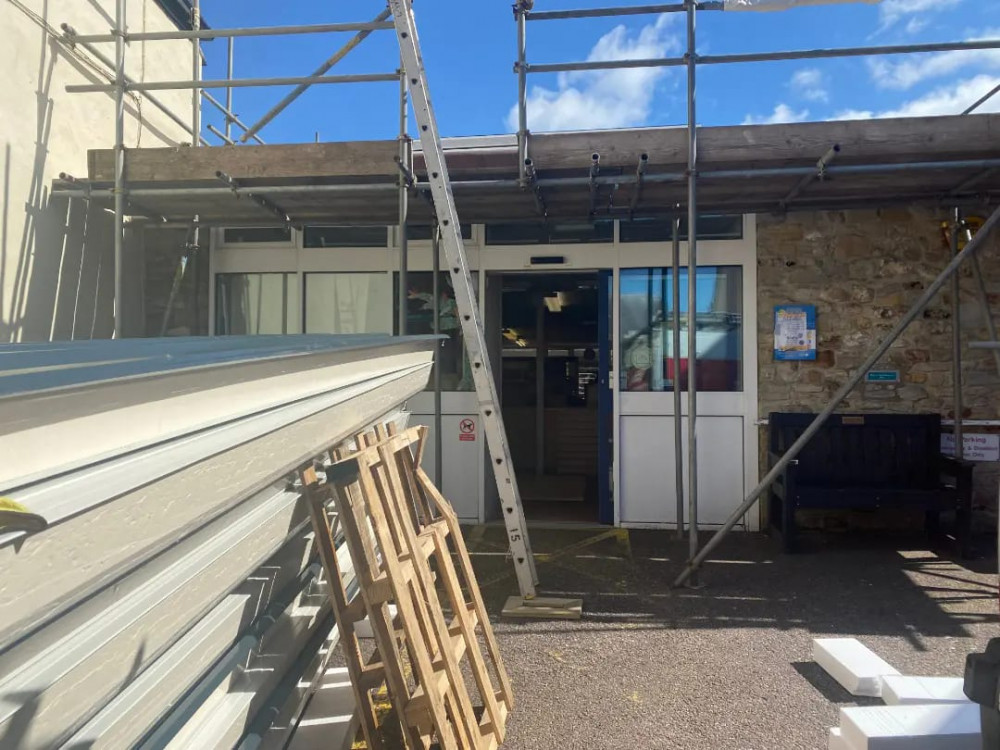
{"type": "Point", "coordinates": [782, 113]}
{"type": "Point", "coordinates": [913, 70]}
{"type": "Point", "coordinates": [952, 99]}
{"type": "Point", "coordinates": [892, 12]}
{"type": "Point", "coordinates": [809, 84]}
{"type": "Point", "coordinates": [586, 100]}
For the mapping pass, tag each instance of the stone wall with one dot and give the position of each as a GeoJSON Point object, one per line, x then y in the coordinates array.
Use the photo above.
{"type": "Point", "coordinates": [863, 270]}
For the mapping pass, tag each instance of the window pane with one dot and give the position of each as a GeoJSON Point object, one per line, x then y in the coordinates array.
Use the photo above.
{"type": "Point", "coordinates": [348, 303]}
{"type": "Point", "coordinates": [345, 237]}
{"type": "Point", "coordinates": [661, 230]}
{"type": "Point", "coordinates": [647, 308]}
{"type": "Point", "coordinates": [538, 233]}
{"type": "Point", "coordinates": [238, 235]}
{"type": "Point", "coordinates": [423, 231]}
{"type": "Point", "coordinates": [254, 303]}
{"type": "Point", "coordinates": [456, 374]}
{"type": "Point", "coordinates": [516, 234]}
{"type": "Point", "coordinates": [584, 231]}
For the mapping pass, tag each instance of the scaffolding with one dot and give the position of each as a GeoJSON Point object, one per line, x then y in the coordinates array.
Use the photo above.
{"type": "Point", "coordinates": [539, 188]}
{"type": "Point", "coordinates": [524, 12]}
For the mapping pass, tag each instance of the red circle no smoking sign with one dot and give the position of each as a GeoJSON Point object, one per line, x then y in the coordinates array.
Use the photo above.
{"type": "Point", "coordinates": [467, 430]}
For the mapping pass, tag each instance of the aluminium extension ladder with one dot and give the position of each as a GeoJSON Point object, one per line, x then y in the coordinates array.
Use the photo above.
{"type": "Point", "coordinates": [472, 329]}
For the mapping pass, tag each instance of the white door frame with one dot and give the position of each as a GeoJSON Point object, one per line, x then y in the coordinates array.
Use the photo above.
{"type": "Point", "coordinates": [744, 403]}
{"type": "Point", "coordinates": [296, 259]}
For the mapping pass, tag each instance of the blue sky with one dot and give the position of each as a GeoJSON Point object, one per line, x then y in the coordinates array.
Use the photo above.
{"type": "Point", "coordinates": [469, 49]}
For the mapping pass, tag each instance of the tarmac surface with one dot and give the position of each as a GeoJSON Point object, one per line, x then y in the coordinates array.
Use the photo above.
{"type": "Point", "coordinates": [726, 666]}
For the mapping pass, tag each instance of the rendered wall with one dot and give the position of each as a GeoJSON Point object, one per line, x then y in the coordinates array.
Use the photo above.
{"type": "Point", "coordinates": [863, 270]}
{"type": "Point", "coordinates": [56, 256]}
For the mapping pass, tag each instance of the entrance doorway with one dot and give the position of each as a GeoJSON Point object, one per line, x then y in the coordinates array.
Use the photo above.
{"type": "Point", "coordinates": [554, 391]}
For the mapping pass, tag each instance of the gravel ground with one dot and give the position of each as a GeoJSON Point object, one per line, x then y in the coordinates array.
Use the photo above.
{"type": "Point", "coordinates": [726, 666]}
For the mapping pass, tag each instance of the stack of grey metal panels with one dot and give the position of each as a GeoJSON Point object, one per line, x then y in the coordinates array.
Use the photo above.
{"type": "Point", "coordinates": [174, 599]}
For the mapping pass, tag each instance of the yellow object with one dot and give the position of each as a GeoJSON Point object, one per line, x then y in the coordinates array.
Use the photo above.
{"type": "Point", "coordinates": [967, 228]}
{"type": "Point", "coordinates": [15, 517]}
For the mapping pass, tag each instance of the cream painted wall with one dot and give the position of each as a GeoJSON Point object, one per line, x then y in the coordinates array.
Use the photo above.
{"type": "Point", "coordinates": [56, 256]}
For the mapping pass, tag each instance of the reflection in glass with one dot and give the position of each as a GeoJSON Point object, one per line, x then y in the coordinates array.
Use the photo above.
{"type": "Point", "coordinates": [647, 309]}
{"type": "Point", "coordinates": [550, 233]}
{"type": "Point", "coordinates": [456, 374]}
{"type": "Point", "coordinates": [256, 235]}
{"type": "Point", "coordinates": [710, 227]}
{"type": "Point", "coordinates": [345, 236]}
{"type": "Point", "coordinates": [348, 303]}
{"type": "Point", "coordinates": [255, 303]}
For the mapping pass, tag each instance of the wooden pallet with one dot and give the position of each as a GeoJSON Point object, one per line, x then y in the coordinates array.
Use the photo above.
{"type": "Point", "coordinates": [407, 549]}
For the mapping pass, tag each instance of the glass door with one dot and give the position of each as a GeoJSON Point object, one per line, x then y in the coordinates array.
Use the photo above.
{"type": "Point", "coordinates": [648, 374]}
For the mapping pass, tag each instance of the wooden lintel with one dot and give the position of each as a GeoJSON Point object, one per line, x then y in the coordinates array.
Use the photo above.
{"type": "Point", "coordinates": [916, 138]}
{"type": "Point", "coordinates": [299, 160]}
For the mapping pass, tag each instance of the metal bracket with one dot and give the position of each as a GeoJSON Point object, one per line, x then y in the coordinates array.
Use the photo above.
{"type": "Point", "coordinates": [595, 171]}
{"type": "Point", "coordinates": [640, 171]}
{"type": "Point", "coordinates": [535, 188]}
{"type": "Point", "coordinates": [819, 174]}
{"type": "Point", "coordinates": [239, 191]}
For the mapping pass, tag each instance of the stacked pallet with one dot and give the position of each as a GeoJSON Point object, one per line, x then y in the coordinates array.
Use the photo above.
{"type": "Point", "coordinates": [920, 713]}
{"type": "Point", "coordinates": [412, 567]}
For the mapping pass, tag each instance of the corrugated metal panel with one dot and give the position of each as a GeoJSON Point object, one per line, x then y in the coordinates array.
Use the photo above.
{"type": "Point", "coordinates": [174, 598]}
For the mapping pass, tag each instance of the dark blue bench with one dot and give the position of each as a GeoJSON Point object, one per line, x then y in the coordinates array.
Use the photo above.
{"type": "Point", "coordinates": [868, 461]}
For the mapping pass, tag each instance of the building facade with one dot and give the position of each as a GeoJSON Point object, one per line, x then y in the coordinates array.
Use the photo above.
{"type": "Point", "coordinates": [603, 294]}
{"type": "Point", "coordinates": [56, 255]}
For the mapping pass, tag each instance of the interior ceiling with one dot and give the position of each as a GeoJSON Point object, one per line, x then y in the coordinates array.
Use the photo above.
{"type": "Point", "coordinates": [963, 154]}
{"type": "Point", "coordinates": [575, 322]}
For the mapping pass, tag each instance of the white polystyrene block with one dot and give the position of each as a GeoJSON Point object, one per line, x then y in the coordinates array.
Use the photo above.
{"type": "Point", "coordinates": [898, 690]}
{"type": "Point", "coordinates": [946, 726]}
{"type": "Point", "coordinates": [837, 741]}
{"type": "Point", "coordinates": [856, 667]}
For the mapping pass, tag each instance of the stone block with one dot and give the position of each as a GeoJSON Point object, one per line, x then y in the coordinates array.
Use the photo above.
{"type": "Point", "coordinates": [862, 270]}
{"type": "Point", "coordinates": [814, 377]}
{"type": "Point", "coordinates": [834, 294]}
{"type": "Point", "coordinates": [826, 358]}
{"type": "Point", "coordinates": [895, 215]}
{"type": "Point", "coordinates": [894, 300]}
{"type": "Point", "coordinates": [860, 293]}
{"type": "Point", "coordinates": [852, 247]}
{"type": "Point", "coordinates": [912, 393]}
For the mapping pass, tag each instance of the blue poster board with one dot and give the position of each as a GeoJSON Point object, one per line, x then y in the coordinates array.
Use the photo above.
{"type": "Point", "coordinates": [795, 332]}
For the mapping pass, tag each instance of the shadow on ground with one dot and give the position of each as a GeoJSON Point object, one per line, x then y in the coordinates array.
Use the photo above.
{"type": "Point", "coordinates": [727, 665]}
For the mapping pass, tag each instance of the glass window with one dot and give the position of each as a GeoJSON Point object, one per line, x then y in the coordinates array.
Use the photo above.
{"type": "Point", "coordinates": [423, 231]}
{"type": "Point", "coordinates": [348, 303]}
{"type": "Point", "coordinates": [255, 303]}
{"type": "Point", "coordinates": [712, 227]}
{"type": "Point", "coordinates": [646, 310]}
{"type": "Point", "coordinates": [550, 233]}
{"type": "Point", "coordinates": [345, 237]}
{"type": "Point", "coordinates": [256, 235]}
{"type": "Point", "coordinates": [456, 374]}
